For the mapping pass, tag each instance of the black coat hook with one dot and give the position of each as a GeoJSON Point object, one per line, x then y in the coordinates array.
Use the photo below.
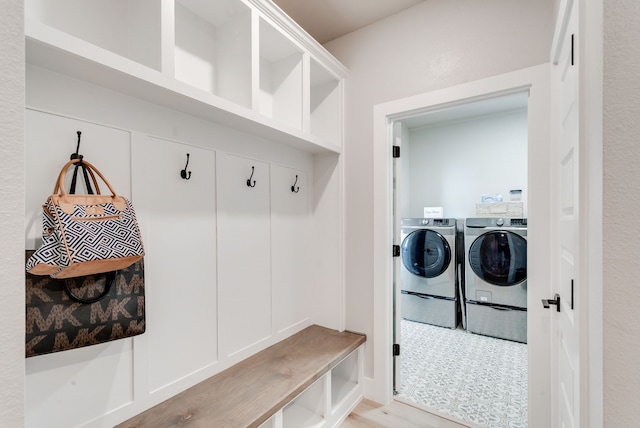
{"type": "Point", "coordinates": [184, 174]}
{"type": "Point", "coordinates": [80, 165]}
{"type": "Point", "coordinates": [249, 179]}
{"type": "Point", "coordinates": [77, 154]}
{"type": "Point", "coordinates": [295, 189]}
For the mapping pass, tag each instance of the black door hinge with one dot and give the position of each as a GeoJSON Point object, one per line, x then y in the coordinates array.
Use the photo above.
{"type": "Point", "coordinates": [396, 151]}
{"type": "Point", "coordinates": [572, 49]}
{"type": "Point", "coordinates": [396, 349]}
{"type": "Point", "coordinates": [572, 294]}
{"type": "Point", "coordinates": [396, 251]}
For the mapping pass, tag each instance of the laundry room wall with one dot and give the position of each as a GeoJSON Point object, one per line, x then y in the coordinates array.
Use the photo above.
{"type": "Point", "coordinates": [433, 45]}
{"type": "Point", "coordinates": [452, 164]}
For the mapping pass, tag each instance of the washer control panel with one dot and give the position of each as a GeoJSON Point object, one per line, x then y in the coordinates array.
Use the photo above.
{"type": "Point", "coordinates": [481, 222]}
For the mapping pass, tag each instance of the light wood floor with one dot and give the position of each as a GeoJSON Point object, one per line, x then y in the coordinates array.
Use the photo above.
{"type": "Point", "coordinates": [369, 414]}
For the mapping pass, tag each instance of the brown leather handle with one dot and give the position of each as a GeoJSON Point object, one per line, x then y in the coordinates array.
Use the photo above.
{"type": "Point", "coordinates": [59, 188]}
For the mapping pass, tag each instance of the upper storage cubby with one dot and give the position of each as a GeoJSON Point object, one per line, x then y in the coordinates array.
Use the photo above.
{"type": "Point", "coordinates": [240, 63]}
{"type": "Point", "coordinates": [129, 28]}
{"type": "Point", "coordinates": [325, 103]}
{"type": "Point", "coordinates": [280, 77]}
{"type": "Point", "coordinates": [213, 47]}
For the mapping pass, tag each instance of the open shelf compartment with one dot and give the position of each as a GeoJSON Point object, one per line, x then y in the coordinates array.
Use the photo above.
{"type": "Point", "coordinates": [213, 47]}
{"type": "Point", "coordinates": [325, 104]}
{"type": "Point", "coordinates": [280, 77]}
{"type": "Point", "coordinates": [129, 28]}
{"type": "Point", "coordinates": [306, 410]}
{"type": "Point", "coordinates": [344, 379]}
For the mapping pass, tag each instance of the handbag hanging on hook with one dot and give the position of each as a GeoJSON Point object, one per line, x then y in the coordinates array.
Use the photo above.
{"type": "Point", "coordinates": [86, 234]}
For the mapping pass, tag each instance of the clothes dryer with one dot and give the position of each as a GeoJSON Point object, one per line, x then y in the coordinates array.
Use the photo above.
{"type": "Point", "coordinates": [496, 277]}
{"type": "Point", "coordinates": [428, 272]}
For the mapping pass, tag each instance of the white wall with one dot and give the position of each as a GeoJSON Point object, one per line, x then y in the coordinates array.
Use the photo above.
{"type": "Point", "coordinates": [621, 204]}
{"type": "Point", "coordinates": [11, 218]}
{"type": "Point", "coordinates": [452, 164]}
{"type": "Point", "coordinates": [434, 45]}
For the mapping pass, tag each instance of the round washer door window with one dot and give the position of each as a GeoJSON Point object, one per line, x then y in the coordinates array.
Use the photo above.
{"type": "Point", "coordinates": [426, 253]}
{"type": "Point", "coordinates": [499, 257]}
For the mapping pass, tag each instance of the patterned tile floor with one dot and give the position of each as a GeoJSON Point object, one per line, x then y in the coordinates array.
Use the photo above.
{"type": "Point", "coordinates": [477, 379]}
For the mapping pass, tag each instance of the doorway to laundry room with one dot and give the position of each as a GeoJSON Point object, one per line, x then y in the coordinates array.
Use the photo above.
{"type": "Point", "coordinates": [460, 196]}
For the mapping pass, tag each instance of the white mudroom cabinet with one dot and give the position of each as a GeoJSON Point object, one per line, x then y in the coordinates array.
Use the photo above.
{"type": "Point", "coordinates": [244, 251]}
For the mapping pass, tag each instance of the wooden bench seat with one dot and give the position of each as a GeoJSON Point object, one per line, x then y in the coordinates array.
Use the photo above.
{"type": "Point", "coordinates": [250, 392]}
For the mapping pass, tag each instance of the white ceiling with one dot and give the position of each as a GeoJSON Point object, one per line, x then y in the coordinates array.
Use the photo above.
{"type": "Point", "coordinates": [326, 20]}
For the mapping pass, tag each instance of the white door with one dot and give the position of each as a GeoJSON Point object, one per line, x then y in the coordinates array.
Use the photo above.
{"type": "Point", "coordinates": [565, 120]}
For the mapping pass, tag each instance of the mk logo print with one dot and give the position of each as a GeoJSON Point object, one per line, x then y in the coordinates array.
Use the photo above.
{"type": "Point", "coordinates": [56, 318]}
{"type": "Point", "coordinates": [85, 337]}
{"type": "Point", "coordinates": [36, 289]}
{"type": "Point", "coordinates": [90, 287]}
{"type": "Point", "coordinates": [112, 311]}
{"type": "Point", "coordinates": [55, 322]}
{"type": "Point", "coordinates": [132, 287]}
{"type": "Point", "coordinates": [119, 333]}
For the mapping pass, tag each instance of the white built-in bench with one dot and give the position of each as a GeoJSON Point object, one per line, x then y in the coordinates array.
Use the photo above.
{"type": "Point", "coordinates": [311, 379]}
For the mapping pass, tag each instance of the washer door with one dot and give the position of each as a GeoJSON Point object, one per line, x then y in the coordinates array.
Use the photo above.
{"type": "Point", "coordinates": [426, 253]}
{"type": "Point", "coordinates": [499, 257]}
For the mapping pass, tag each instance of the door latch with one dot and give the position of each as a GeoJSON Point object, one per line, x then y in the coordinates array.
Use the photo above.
{"type": "Point", "coordinates": [555, 301]}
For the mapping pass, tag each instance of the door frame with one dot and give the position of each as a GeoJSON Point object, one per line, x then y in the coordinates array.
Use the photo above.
{"type": "Point", "coordinates": [536, 81]}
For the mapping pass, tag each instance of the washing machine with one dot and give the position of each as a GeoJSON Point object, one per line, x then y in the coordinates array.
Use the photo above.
{"type": "Point", "coordinates": [428, 272]}
{"type": "Point", "coordinates": [496, 277]}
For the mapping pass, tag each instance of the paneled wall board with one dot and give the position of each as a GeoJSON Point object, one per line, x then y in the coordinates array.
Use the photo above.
{"type": "Point", "coordinates": [57, 385]}
{"type": "Point", "coordinates": [73, 388]}
{"type": "Point", "coordinates": [327, 234]}
{"type": "Point", "coordinates": [178, 221]}
{"type": "Point", "coordinates": [291, 247]}
{"type": "Point", "coordinates": [244, 253]}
